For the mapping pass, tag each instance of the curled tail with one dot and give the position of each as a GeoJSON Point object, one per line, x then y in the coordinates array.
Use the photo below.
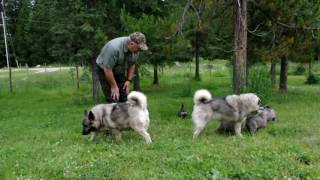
{"type": "Point", "coordinates": [201, 96]}
{"type": "Point", "coordinates": [138, 98]}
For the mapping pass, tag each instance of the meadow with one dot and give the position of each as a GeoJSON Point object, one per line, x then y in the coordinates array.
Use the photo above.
{"type": "Point", "coordinates": [40, 136]}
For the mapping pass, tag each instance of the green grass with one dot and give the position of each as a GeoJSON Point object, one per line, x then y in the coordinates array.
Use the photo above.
{"type": "Point", "coordinates": [41, 137]}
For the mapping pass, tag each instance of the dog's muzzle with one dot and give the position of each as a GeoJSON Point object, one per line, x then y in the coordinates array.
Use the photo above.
{"type": "Point", "coordinates": [87, 131]}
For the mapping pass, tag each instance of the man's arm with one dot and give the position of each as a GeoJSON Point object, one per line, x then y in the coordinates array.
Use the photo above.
{"type": "Point", "coordinates": [110, 78]}
{"type": "Point", "coordinates": [130, 72]}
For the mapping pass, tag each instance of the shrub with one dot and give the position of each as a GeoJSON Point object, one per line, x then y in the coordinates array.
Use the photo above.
{"type": "Point", "coordinates": [300, 69]}
{"type": "Point", "coordinates": [260, 81]}
{"type": "Point", "coordinates": [312, 79]}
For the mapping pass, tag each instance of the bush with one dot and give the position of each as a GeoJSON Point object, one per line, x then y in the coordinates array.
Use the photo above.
{"type": "Point", "coordinates": [300, 70]}
{"type": "Point", "coordinates": [312, 79]}
{"type": "Point", "coordinates": [260, 82]}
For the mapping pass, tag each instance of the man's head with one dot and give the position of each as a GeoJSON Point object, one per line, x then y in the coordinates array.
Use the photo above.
{"type": "Point", "coordinates": [137, 42]}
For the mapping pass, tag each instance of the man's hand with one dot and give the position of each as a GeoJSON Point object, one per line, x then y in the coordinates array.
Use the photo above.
{"type": "Point", "coordinates": [126, 86]}
{"type": "Point", "coordinates": [115, 93]}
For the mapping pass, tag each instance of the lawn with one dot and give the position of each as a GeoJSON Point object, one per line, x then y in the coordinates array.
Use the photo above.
{"type": "Point", "coordinates": [41, 127]}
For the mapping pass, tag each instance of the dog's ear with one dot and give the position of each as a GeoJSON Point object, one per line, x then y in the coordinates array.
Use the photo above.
{"type": "Point", "coordinates": [85, 113]}
{"type": "Point", "coordinates": [91, 116]}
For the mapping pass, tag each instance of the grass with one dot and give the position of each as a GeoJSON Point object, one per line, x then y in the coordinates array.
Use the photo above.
{"type": "Point", "coordinates": [41, 137]}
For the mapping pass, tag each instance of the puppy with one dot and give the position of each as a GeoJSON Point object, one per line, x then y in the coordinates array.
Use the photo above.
{"type": "Point", "coordinates": [253, 123]}
{"type": "Point", "coordinates": [261, 119]}
{"type": "Point", "coordinates": [232, 108]}
{"type": "Point", "coordinates": [116, 117]}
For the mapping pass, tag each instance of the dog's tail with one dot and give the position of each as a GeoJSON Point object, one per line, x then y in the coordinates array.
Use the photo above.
{"type": "Point", "coordinates": [201, 96]}
{"type": "Point", "coordinates": [138, 98]}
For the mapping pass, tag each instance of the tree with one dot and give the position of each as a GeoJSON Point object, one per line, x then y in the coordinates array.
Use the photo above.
{"type": "Point", "coordinates": [283, 30]}
{"type": "Point", "coordinates": [156, 29]}
{"type": "Point", "coordinates": [240, 46]}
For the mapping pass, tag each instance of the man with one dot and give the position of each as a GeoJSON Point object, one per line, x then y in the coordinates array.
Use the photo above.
{"type": "Point", "coordinates": [115, 65]}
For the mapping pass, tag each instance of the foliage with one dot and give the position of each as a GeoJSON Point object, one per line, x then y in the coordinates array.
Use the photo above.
{"type": "Point", "coordinates": [156, 30]}
{"type": "Point", "coordinates": [300, 69]}
{"type": "Point", "coordinates": [312, 79]}
{"type": "Point", "coordinates": [260, 82]}
{"type": "Point", "coordinates": [284, 28]}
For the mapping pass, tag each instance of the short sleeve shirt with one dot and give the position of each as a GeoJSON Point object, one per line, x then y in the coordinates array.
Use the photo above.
{"type": "Point", "coordinates": [116, 56]}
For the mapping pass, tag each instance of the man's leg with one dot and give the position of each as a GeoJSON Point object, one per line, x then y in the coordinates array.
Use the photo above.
{"type": "Point", "coordinates": [123, 93]}
{"type": "Point", "coordinates": [106, 89]}
{"type": "Point", "coordinates": [120, 79]}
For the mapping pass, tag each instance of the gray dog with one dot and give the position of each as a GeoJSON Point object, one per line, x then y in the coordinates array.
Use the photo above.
{"type": "Point", "coordinates": [116, 117]}
{"type": "Point", "coordinates": [253, 123]}
{"type": "Point", "coordinates": [232, 108]}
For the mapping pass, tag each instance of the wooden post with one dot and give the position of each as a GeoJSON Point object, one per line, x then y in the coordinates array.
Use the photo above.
{"type": "Point", "coordinates": [2, 12]}
{"type": "Point", "coordinates": [78, 80]}
{"type": "Point", "coordinates": [27, 69]}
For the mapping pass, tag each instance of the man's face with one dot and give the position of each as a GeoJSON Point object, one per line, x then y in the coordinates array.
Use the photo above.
{"type": "Point", "coordinates": [133, 47]}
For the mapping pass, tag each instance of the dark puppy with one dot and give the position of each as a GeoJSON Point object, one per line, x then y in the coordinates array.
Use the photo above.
{"type": "Point", "coordinates": [252, 123]}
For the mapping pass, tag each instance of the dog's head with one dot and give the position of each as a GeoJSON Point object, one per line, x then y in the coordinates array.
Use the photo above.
{"type": "Point", "coordinates": [88, 123]}
{"type": "Point", "coordinates": [270, 113]}
{"type": "Point", "coordinates": [250, 102]}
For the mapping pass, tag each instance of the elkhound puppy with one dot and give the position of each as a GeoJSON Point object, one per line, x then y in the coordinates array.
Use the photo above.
{"type": "Point", "coordinates": [261, 119]}
{"type": "Point", "coordinates": [232, 108]}
{"type": "Point", "coordinates": [116, 117]}
{"type": "Point", "coordinates": [253, 123]}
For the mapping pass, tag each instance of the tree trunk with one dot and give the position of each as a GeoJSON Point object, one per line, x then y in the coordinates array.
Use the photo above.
{"type": "Point", "coordinates": [155, 75]}
{"type": "Point", "coordinates": [95, 83]}
{"type": "Point", "coordinates": [240, 46]}
{"type": "Point", "coordinates": [283, 75]}
{"type": "Point", "coordinates": [197, 55]}
{"type": "Point", "coordinates": [136, 80]}
{"type": "Point", "coordinates": [273, 73]}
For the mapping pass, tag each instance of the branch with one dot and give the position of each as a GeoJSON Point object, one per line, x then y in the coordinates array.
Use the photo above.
{"type": "Point", "coordinates": [197, 13]}
{"type": "Point", "coordinates": [296, 27]}
{"type": "Point", "coordinates": [219, 13]}
{"type": "Point", "coordinates": [181, 23]}
{"type": "Point", "coordinates": [255, 29]}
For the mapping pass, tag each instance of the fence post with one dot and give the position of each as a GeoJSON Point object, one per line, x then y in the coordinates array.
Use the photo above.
{"type": "Point", "coordinates": [78, 80]}
{"type": "Point", "coordinates": [27, 68]}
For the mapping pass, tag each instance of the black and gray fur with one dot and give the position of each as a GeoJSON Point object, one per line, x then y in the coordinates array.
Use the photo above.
{"type": "Point", "coordinates": [116, 117]}
{"type": "Point", "coordinates": [252, 123]}
{"type": "Point", "coordinates": [232, 108]}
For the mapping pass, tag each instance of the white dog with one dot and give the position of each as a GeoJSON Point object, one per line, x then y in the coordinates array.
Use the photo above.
{"type": "Point", "coordinates": [232, 108]}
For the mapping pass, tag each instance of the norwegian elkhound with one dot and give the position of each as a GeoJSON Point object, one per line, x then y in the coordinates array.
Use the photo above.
{"type": "Point", "coordinates": [232, 108]}
{"type": "Point", "coordinates": [116, 117]}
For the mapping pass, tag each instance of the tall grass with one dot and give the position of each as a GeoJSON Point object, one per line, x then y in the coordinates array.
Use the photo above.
{"type": "Point", "coordinates": [260, 82]}
{"type": "Point", "coordinates": [40, 135]}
